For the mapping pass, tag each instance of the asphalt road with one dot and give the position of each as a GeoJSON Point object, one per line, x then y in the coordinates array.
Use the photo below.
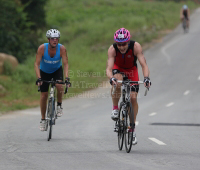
{"type": "Point", "coordinates": [168, 123]}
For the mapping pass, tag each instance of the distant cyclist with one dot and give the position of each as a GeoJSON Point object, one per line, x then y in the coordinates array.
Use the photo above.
{"type": "Point", "coordinates": [185, 13]}
{"type": "Point", "coordinates": [48, 65]}
{"type": "Point", "coordinates": [122, 58]}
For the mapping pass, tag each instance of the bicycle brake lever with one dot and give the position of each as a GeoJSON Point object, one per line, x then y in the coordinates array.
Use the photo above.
{"type": "Point", "coordinates": [66, 90]}
{"type": "Point", "coordinates": [147, 89]}
{"type": "Point", "coordinates": [38, 88]}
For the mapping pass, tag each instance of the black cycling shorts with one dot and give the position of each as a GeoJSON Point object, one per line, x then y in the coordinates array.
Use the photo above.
{"type": "Point", "coordinates": [57, 75]}
{"type": "Point", "coordinates": [134, 88]}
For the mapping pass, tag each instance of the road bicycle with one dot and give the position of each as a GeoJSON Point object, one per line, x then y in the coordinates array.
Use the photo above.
{"type": "Point", "coordinates": [124, 125]}
{"type": "Point", "coordinates": [184, 24]}
{"type": "Point", "coordinates": [51, 115]}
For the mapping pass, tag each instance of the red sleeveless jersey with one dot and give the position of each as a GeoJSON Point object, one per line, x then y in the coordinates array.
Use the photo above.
{"type": "Point", "coordinates": [126, 63]}
{"type": "Point", "coordinates": [127, 60]}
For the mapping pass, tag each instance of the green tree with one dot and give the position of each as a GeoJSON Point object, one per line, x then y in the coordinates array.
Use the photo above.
{"type": "Point", "coordinates": [18, 26]}
{"type": "Point", "coordinates": [35, 12]}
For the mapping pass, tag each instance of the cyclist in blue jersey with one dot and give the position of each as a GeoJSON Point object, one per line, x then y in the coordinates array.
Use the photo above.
{"type": "Point", "coordinates": [48, 65]}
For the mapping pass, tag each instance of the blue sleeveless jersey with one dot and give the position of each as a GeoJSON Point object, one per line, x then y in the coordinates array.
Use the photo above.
{"type": "Point", "coordinates": [48, 64]}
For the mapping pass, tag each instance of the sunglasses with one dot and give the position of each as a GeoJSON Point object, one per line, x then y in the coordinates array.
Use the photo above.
{"type": "Point", "coordinates": [54, 38]}
{"type": "Point", "coordinates": [121, 44]}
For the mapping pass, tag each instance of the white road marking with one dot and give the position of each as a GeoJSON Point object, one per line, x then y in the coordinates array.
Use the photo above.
{"type": "Point", "coordinates": [153, 114]}
{"type": "Point", "coordinates": [8, 117]}
{"type": "Point", "coordinates": [170, 104]}
{"type": "Point", "coordinates": [198, 78]}
{"type": "Point", "coordinates": [157, 141]}
{"type": "Point", "coordinates": [163, 49]}
{"type": "Point", "coordinates": [136, 123]}
{"type": "Point", "coordinates": [26, 112]}
{"type": "Point", "coordinates": [186, 92]}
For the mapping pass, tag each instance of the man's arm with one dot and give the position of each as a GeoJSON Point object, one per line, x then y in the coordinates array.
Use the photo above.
{"type": "Point", "coordinates": [138, 52]}
{"type": "Point", "coordinates": [188, 13]}
{"type": "Point", "coordinates": [64, 60]}
{"type": "Point", "coordinates": [110, 61]}
{"type": "Point", "coordinates": [39, 55]}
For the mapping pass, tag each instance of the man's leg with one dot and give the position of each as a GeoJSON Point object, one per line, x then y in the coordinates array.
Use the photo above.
{"type": "Point", "coordinates": [115, 97]}
{"type": "Point", "coordinates": [58, 75]}
{"type": "Point", "coordinates": [60, 91]}
{"type": "Point", "coordinates": [134, 104]}
{"type": "Point", "coordinates": [43, 103]}
{"type": "Point", "coordinates": [43, 106]}
{"type": "Point", "coordinates": [188, 23]}
{"type": "Point", "coordinates": [135, 110]}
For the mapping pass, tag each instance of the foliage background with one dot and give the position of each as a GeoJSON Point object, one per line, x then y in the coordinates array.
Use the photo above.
{"type": "Point", "coordinates": [87, 29]}
{"type": "Point", "coordinates": [20, 24]}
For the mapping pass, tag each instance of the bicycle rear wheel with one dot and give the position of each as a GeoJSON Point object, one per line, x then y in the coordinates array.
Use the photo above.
{"type": "Point", "coordinates": [120, 123]}
{"type": "Point", "coordinates": [129, 127]}
{"type": "Point", "coordinates": [184, 25]}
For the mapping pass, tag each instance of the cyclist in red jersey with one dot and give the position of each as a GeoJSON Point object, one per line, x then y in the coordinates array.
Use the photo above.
{"type": "Point", "coordinates": [122, 58]}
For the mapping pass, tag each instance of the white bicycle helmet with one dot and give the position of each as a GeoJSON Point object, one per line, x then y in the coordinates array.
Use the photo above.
{"type": "Point", "coordinates": [53, 33]}
{"type": "Point", "coordinates": [185, 7]}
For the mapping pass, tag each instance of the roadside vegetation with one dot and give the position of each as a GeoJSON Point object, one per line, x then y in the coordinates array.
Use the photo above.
{"type": "Point", "coordinates": [87, 29]}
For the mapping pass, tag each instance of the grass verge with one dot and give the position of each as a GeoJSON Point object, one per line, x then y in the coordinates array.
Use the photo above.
{"type": "Point", "coordinates": [87, 29]}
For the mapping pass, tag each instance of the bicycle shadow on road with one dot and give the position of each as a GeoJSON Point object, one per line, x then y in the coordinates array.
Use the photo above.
{"type": "Point", "coordinates": [175, 124]}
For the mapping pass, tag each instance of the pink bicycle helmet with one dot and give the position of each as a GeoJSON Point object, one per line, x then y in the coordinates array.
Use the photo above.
{"type": "Point", "coordinates": [122, 35]}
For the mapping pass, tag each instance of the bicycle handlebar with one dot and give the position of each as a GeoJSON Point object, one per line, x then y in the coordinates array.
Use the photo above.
{"type": "Point", "coordinates": [129, 82]}
{"type": "Point", "coordinates": [124, 82]}
{"type": "Point", "coordinates": [56, 82]}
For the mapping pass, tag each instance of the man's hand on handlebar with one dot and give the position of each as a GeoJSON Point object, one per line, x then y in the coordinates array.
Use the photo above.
{"type": "Point", "coordinates": [147, 82]}
{"type": "Point", "coordinates": [113, 81]}
{"type": "Point", "coordinates": [67, 82]}
{"type": "Point", "coordinates": [39, 82]}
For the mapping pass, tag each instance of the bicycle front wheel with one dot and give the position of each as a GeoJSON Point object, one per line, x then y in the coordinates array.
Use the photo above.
{"type": "Point", "coordinates": [120, 123]}
{"type": "Point", "coordinates": [129, 127]}
{"type": "Point", "coordinates": [50, 119]}
{"type": "Point", "coordinates": [49, 131]}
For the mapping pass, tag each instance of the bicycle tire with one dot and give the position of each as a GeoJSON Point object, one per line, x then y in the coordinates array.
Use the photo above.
{"type": "Point", "coordinates": [49, 131]}
{"type": "Point", "coordinates": [50, 119]}
{"type": "Point", "coordinates": [120, 123]}
{"type": "Point", "coordinates": [54, 113]}
{"type": "Point", "coordinates": [47, 116]}
{"type": "Point", "coordinates": [184, 25]}
{"type": "Point", "coordinates": [129, 130]}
